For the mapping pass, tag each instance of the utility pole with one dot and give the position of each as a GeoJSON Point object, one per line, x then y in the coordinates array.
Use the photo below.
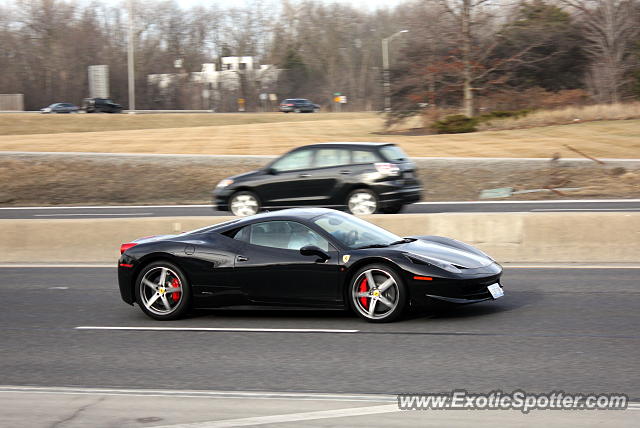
{"type": "Point", "coordinates": [130, 62]}
{"type": "Point", "coordinates": [386, 81]}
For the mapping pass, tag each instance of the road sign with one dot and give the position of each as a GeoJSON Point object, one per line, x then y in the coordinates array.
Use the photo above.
{"type": "Point", "coordinates": [98, 81]}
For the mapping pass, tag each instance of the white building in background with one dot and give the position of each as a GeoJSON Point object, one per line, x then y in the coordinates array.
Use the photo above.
{"type": "Point", "coordinates": [239, 77]}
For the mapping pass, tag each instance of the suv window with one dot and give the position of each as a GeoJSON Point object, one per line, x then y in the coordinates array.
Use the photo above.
{"type": "Point", "coordinates": [300, 159]}
{"type": "Point", "coordinates": [332, 157]}
{"type": "Point", "coordinates": [364, 156]}
{"type": "Point", "coordinates": [393, 153]}
{"type": "Point", "coordinates": [286, 235]}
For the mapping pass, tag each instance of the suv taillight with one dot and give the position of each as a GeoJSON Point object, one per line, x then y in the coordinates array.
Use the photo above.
{"type": "Point", "coordinates": [388, 169]}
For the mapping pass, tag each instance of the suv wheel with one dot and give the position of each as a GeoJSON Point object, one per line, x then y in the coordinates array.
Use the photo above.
{"type": "Point", "coordinates": [243, 204]}
{"type": "Point", "coordinates": [362, 202]}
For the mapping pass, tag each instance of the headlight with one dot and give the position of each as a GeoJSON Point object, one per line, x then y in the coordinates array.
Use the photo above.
{"type": "Point", "coordinates": [224, 183]}
{"type": "Point", "coordinates": [449, 267]}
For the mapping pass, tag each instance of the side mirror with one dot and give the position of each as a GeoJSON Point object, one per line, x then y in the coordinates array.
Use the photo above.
{"type": "Point", "coordinates": [312, 250]}
{"type": "Point", "coordinates": [271, 171]}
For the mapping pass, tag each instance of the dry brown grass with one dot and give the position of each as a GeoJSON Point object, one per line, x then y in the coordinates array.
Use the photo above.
{"type": "Point", "coordinates": [22, 124]}
{"type": "Point", "coordinates": [615, 139]}
{"type": "Point", "coordinates": [567, 115]}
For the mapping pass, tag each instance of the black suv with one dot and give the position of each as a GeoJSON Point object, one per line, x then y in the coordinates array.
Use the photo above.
{"type": "Point", "coordinates": [298, 105]}
{"type": "Point", "coordinates": [100, 105]}
{"type": "Point", "coordinates": [363, 177]}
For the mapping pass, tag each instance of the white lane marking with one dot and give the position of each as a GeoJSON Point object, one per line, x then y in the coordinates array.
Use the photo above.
{"type": "Point", "coordinates": [261, 395]}
{"type": "Point", "coordinates": [55, 265]}
{"type": "Point", "coordinates": [105, 207]}
{"type": "Point", "coordinates": [90, 214]}
{"type": "Point", "coordinates": [100, 207]}
{"type": "Point", "coordinates": [586, 209]}
{"type": "Point", "coordinates": [58, 288]}
{"type": "Point", "coordinates": [569, 201]}
{"type": "Point", "coordinates": [290, 417]}
{"type": "Point", "coordinates": [221, 329]}
{"type": "Point", "coordinates": [570, 267]}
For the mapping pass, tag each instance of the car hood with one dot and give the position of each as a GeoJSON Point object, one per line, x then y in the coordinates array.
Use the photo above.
{"type": "Point", "coordinates": [245, 175]}
{"type": "Point", "coordinates": [455, 256]}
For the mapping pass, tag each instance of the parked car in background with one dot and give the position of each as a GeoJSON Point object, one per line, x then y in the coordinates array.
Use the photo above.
{"type": "Point", "coordinates": [60, 108]}
{"type": "Point", "coordinates": [298, 105]}
{"type": "Point", "coordinates": [364, 178]}
{"type": "Point", "coordinates": [100, 105]}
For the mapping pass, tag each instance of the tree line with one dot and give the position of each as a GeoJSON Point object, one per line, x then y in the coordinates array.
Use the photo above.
{"type": "Point", "coordinates": [472, 55]}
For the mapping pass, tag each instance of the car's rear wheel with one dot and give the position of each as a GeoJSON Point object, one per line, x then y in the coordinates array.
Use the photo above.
{"type": "Point", "coordinates": [162, 291]}
{"type": "Point", "coordinates": [377, 294]}
{"type": "Point", "coordinates": [362, 202]}
{"type": "Point", "coordinates": [244, 204]}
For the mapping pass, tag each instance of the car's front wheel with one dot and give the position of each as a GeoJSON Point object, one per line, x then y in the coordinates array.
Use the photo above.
{"type": "Point", "coordinates": [362, 202]}
{"type": "Point", "coordinates": [162, 291]}
{"type": "Point", "coordinates": [244, 204]}
{"type": "Point", "coordinates": [377, 294]}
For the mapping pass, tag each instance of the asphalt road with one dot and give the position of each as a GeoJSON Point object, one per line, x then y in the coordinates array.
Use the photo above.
{"type": "Point", "coordinates": [568, 329]}
{"type": "Point", "coordinates": [418, 208]}
{"type": "Point", "coordinates": [556, 329]}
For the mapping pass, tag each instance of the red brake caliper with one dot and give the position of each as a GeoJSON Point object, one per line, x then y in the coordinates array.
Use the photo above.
{"type": "Point", "coordinates": [363, 288]}
{"type": "Point", "coordinates": [175, 284]}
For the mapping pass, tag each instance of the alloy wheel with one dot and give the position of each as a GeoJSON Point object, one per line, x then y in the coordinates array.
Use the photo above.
{"type": "Point", "coordinates": [161, 290]}
{"type": "Point", "coordinates": [362, 203]}
{"type": "Point", "coordinates": [244, 204]}
{"type": "Point", "coordinates": [375, 294]}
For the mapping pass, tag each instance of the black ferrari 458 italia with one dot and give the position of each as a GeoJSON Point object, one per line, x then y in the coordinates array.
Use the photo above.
{"type": "Point", "coordinates": [311, 257]}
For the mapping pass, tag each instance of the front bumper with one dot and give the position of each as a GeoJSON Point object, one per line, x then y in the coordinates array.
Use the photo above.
{"type": "Point", "coordinates": [468, 287]}
{"type": "Point", "coordinates": [221, 198]}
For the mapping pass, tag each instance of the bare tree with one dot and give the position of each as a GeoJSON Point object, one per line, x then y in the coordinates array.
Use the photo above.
{"type": "Point", "coordinates": [610, 27]}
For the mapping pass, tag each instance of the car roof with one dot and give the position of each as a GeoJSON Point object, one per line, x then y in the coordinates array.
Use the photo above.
{"type": "Point", "coordinates": [346, 144]}
{"type": "Point", "coordinates": [286, 214]}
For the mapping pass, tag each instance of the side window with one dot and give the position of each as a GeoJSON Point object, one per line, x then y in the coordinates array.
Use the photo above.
{"type": "Point", "coordinates": [364, 156]}
{"type": "Point", "coordinates": [286, 235]}
{"type": "Point", "coordinates": [300, 159]}
{"type": "Point", "coordinates": [331, 157]}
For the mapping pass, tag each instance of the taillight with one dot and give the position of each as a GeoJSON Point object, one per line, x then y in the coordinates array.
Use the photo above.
{"type": "Point", "coordinates": [125, 247]}
{"type": "Point", "coordinates": [290, 105]}
{"type": "Point", "coordinates": [388, 169]}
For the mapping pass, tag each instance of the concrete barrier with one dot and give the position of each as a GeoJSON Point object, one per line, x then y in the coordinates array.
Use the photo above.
{"type": "Point", "coordinates": [508, 237]}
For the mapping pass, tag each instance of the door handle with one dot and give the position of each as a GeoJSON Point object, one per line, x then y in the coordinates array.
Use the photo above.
{"type": "Point", "coordinates": [241, 259]}
{"type": "Point", "coordinates": [304, 175]}
{"type": "Point", "coordinates": [345, 172]}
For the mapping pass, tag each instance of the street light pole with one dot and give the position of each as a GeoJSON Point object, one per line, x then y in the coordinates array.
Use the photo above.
{"type": "Point", "coordinates": [130, 62]}
{"type": "Point", "coordinates": [386, 81]}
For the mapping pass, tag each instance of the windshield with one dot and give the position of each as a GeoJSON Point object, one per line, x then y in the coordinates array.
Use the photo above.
{"type": "Point", "coordinates": [393, 153]}
{"type": "Point", "coordinates": [355, 233]}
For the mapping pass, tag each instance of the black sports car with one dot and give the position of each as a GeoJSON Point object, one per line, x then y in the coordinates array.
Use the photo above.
{"type": "Point", "coordinates": [311, 257]}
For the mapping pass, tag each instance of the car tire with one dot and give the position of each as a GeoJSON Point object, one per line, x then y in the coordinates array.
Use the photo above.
{"type": "Point", "coordinates": [362, 202]}
{"type": "Point", "coordinates": [385, 301]}
{"type": "Point", "coordinates": [244, 204]}
{"type": "Point", "coordinates": [392, 209]}
{"type": "Point", "coordinates": [155, 291]}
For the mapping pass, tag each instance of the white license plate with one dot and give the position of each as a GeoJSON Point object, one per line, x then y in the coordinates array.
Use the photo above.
{"type": "Point", "coordinates": [495, 290]}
